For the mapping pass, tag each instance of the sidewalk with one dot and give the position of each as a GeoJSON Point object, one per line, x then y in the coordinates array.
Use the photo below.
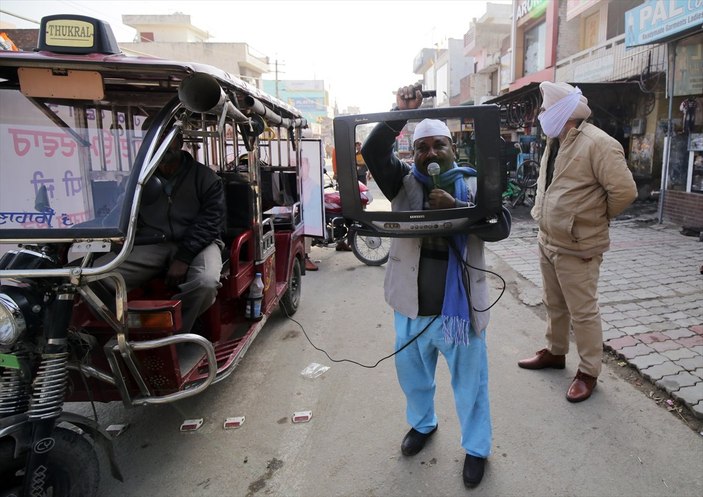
{"type": "Point", "coordinates": [651, 299]}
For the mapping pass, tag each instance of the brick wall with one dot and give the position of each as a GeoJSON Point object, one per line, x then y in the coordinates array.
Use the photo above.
{"type": "Point", "coordinates": [685, 209]}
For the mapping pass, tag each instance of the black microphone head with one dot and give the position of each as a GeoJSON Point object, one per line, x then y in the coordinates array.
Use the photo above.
{"type": "Point", "coordinates": [433, 169]}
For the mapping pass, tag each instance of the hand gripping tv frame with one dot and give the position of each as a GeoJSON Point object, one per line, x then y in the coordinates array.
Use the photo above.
{"type": "Point", "coordinates": [476, 135]}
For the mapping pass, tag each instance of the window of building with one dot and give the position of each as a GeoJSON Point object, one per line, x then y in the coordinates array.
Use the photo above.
{"type": "Point", "coordinates": [616, 16]}
{"type": "Point", "coordinates": [493, 83]}
{"type": "Point", "coordinates": [442, 84]}
{"type": "Point", "coordinates": [590, 31]}
{"type": "Point", "coordinates": [146, 36]}
{"type": "Point", "coordinates": [535, 47]}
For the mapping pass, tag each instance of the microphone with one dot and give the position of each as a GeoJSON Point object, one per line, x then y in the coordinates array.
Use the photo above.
{"type": "Point", "coordinates": [433, 170]}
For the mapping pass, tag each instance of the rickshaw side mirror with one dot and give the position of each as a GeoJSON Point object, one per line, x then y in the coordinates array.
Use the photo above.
{"type": "Point", "coordinates": [251, 130]}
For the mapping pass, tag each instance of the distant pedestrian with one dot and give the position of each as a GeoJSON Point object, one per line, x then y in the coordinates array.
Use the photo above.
{"type": "Point", "coordinates": [309, 264]}
{"type": "Point", "coordinates": [584, 182]}
{"type": "Point", "coordinates": [361, 170]}
{"type": "Point", "coordinates": [334, 163]}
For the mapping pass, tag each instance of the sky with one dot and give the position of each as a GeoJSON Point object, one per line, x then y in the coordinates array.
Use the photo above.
{"type": "Point", "coordinates": [362, 49]}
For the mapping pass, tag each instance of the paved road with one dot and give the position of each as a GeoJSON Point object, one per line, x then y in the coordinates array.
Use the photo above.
{"type": "Point", "coordinates": [618, 443]}
{"type": "Point", "coordinates": [650, 293]}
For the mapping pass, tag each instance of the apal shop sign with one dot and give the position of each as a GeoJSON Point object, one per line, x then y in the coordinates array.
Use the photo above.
{"type": "Point", "coordinates": [657, 20]}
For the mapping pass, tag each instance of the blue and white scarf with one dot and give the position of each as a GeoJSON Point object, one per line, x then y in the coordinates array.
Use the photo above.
{"type": "Point", "coordinates": [456, 313]}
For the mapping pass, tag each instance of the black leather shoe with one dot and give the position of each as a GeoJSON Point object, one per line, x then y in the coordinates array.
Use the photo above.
{"type": "Point", "coordinates": [414, 441]}
{"type": "Point", "coordinates": [473, 470]}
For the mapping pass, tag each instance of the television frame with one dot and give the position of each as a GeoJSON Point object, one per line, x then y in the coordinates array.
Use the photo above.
{"type": "Point", "coordinates": [491, 176]}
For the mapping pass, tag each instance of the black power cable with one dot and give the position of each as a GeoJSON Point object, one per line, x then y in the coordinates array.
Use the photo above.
{"type": "Point", "coordinates": [465, 277]}
{"type": "Point", "coordinates": [355, 362]}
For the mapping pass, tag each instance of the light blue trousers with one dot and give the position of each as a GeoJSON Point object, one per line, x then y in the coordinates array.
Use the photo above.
{"type": "Point", "coordinates": [468, 366]}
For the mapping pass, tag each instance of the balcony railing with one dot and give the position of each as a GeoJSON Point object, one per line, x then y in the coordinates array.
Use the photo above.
{"type": "Point", "coordinates": [485, 37]}
{"type": "Point", "coordinates": [611, 61]}
{"type": "Point", "coordinates": [424, 60]}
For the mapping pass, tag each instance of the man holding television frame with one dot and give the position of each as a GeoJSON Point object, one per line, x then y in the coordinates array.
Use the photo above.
{"type": "Point", "coordinates": [446, 314]}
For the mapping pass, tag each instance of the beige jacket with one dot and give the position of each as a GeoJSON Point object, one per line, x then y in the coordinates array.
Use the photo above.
{"type": "Point", "coordinates": [591, 185]}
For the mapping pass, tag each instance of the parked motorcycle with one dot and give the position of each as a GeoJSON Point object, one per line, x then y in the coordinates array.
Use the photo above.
{"type": "Point", "coordinates": [372, 250]}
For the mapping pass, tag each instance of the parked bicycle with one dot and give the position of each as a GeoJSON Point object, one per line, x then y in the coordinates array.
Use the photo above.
{"type": "Point", "coordinates": [370, 249]}
{"type": "Point", "coordinates": [522, 189]}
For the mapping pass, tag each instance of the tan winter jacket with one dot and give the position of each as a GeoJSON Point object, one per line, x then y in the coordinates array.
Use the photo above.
{"type": "Point", "coordinates": [591, 185]}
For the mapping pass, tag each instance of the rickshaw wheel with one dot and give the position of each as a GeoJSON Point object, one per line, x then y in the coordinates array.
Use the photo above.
{"type": "Point", "coordinates": [291, 299]}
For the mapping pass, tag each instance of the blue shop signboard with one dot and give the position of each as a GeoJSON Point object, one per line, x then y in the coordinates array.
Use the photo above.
{"type": "Point", "coordinates": [659, 20]}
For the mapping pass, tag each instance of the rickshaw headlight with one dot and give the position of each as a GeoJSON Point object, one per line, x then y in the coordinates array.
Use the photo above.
{"type": "Point", "coordinates": [12, 323]}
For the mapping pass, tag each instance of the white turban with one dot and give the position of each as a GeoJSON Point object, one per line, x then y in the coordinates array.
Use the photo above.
{"type": "Point", "coordinates": [554, 92]}
{"type": "Point", "coordinates": [561, 102]}
{"type": "Point", "coordinates": [431, 127]}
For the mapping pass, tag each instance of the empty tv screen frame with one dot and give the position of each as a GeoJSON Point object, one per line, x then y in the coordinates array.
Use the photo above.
{"type": "Point", "coordinates": [482, 123]}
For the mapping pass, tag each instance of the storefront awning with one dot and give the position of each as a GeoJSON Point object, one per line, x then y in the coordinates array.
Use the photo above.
{"type": "Point", "coordinates": [519, 108]}
{"type": "Point", "coordinates": [528, 89]}
{"type": "Point", "coordinates": [593, 89]}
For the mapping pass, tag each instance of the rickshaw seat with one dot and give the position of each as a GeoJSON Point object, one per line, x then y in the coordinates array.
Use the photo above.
{"type": "Point", "coordinates": [240, 264]}
{"type": "Point", "coordinates": [238, 200]}
{"type": "Point", "coordinates": [238, 255]}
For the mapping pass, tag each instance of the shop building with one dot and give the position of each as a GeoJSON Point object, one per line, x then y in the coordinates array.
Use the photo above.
{"type": "Point", "coordinates": [484, 43]}
{"type": "Point", "coordinates": [677, 134]}
{"type": "Point", "coordinates": [583, 42]}
{"type": "Point", "coordinates": [311, 97]}
{"type": "Point", "coordinates": [173, 36]}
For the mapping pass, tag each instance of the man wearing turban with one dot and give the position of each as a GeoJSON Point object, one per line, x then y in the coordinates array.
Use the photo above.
{"type": "Point", "coordinates": [584, 182]}
{"type": "Point", "coordinates": [425, 284]}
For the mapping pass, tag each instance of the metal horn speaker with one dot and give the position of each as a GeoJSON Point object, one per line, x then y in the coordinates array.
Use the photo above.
{"type": "Point", "coordinates": [201, 92]}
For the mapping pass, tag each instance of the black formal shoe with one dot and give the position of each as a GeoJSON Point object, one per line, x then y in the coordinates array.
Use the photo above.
{"type": "Point", "coordinates": [473, 470]}
{"type": "Point", "coordinates": [414, 441]}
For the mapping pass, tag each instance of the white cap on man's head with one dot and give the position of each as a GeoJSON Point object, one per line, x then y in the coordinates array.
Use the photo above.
{"type": "Point", "coordinates": [431, 127]}
{"type": "Point", "coordinates": [554, 92]}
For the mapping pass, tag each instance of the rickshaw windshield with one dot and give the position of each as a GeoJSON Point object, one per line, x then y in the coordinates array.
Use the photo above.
{"type": "Point", "coordinates": [65, 163]}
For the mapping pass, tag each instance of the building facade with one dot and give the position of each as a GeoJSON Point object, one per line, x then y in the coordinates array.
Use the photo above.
{"type": "Point", "coordinates": [311, 97]}
{"type": "Point", "coordinates": [583, 42]}
{"type": "Point", "coordinates": [639, 63]}
{"type": "Point", "coordinates": [174, 37]}
{"type": "Point", "coordinates": [678, 129]}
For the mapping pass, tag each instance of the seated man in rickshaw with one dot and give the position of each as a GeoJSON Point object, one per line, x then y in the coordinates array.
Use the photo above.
{"type": "Point", "coordinates": [189, 214]}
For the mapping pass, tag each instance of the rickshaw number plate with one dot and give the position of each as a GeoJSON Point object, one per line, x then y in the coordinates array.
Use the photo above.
{"type": "Point", "coordinates": [301, 416]}
{"type": "Point", "coordinates": [236, 422]}
{"type": "Point", "coordinates": [116, 430]}
{"type": "Point", "coordinates": [191, 424]}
